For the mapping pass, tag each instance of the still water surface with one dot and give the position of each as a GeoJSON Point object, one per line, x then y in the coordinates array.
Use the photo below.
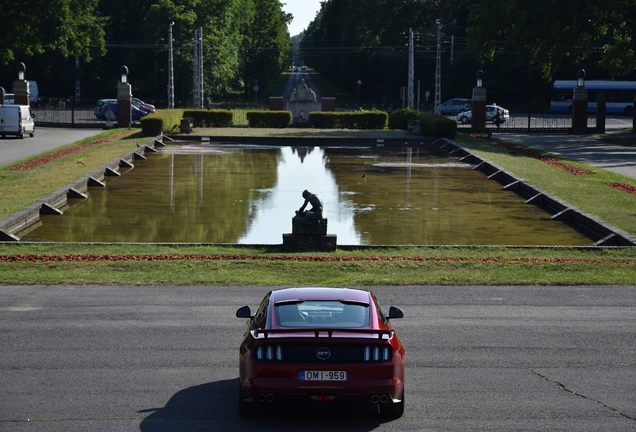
{"type": "Point", "coordinates": [244, 194]}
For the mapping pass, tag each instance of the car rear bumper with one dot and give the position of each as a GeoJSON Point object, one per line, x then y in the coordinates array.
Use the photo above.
{"type": "Point", "coordinates": [363, 381]}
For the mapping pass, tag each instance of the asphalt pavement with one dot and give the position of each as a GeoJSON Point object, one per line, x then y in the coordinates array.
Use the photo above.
{"type": "Point", "coordinates": [14, 149]}
{"type": "Point", "coordinates": [581, 148]}
{"type": "Point", "coordinates": [165, 358]}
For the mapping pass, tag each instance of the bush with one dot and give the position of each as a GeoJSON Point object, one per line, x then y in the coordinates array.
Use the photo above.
{"type": "Point", "coordinates": [349, 120]}
{"type": "Point", "coordinates": [437, 126]}
{"type": "Point", "coordinates": [210, 118]}
{"type": "Point", "coordinates": [163, 121]}
{"type": "Point", "coordinates": [399, 119]}
{"type": "Point", "coordinates": [269, 119]}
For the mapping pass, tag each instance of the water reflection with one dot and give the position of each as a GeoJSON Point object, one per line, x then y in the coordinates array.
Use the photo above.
{"type": "Point", "coordinates": [241, 194]}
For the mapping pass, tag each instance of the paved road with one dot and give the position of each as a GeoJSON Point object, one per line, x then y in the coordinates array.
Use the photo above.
{"type": "Point", "coordinates": [586, 149]}
{"type": "Point", "coordinates": [13, 149]}
{"type": "Point", "coordinates": [126, 358]}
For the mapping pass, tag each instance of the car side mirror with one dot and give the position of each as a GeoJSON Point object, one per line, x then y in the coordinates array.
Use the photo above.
{"type": "Point", "coordinates": [395, 313]}
{"type": "Point", "coordinates": [244, 312]}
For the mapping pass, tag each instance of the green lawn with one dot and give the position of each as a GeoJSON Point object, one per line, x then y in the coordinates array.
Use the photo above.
{"type": "Point", "coordinates": [476, 265]}
{"type": "Point", "coordinates": [589, 193]}
{"type": "Point", "coordinates": [19, 189]}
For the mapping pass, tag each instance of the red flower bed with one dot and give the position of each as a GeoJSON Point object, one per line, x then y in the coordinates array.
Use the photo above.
{"type": "Point", "coordinates": [38, 162]}
{"type": "Point", "coordinates": [623, 187]}
{"type": "Point", "coordinates": [530, 152]}
{"type": "Point", "coordinates": [298, 258]}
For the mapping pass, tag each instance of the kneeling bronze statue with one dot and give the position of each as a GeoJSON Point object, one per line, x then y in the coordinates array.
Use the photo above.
{"type": "Point", "coordinates": [316, 206]}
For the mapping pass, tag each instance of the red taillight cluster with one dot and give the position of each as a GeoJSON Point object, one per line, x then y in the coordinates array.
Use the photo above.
{"type": "Point", "coordinates": [269, 352]}
{"type": "Point", "coordinates": [376, 353]}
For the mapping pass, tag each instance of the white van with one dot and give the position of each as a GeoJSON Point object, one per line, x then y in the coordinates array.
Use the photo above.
{"type": "Point", "coordinates": [16, 120]}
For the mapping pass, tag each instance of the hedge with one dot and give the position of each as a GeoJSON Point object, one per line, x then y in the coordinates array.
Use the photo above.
{"type": "Point", "coordinates": [400, 119]}
{"type": "Point", "coordinates": [269, 119]}
{"type": "Point", "coordinates": [349, 120]}
{"type": "Point", "coordinates": [165, 121]}
{"type": "Point", "coordinates": [210, 118]}
{"type": "Point", "coordinates": [437, 125]}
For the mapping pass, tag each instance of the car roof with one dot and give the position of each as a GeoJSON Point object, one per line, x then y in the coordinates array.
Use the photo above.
{"type": "Point", "coordinates": [320, 293]}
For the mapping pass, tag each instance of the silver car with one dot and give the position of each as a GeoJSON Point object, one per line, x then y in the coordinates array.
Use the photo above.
{"type": "Point", "coordinates": [466, 117]}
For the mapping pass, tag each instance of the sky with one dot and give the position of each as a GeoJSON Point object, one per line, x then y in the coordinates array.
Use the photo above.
{"type": "Point", "coordinates": [304, 11]}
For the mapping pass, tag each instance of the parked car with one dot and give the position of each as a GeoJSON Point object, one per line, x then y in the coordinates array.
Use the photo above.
{"type": "Point", "coordinates": [321, 345]}
{"type": "Point", "coordinates": [149, 108]}
{"type": "Point", "coordinates": [454, 106]}
{"type": "Point", "coordinates": [16, 120]}
{"type": "Point", "coordinates": [466, 117]}
{"type": "Point", "coordinates": [106, 109]}
{"type": "Point", "coordinates": [9, 98]}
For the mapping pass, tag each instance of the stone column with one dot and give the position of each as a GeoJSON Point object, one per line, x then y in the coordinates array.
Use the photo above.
{"type": "Point", "coordinates": [124, 100]}
{"type": "Point", "coordinates": [579, 106]}
{"type": "Point", "coordinates": [21, 87]}
{"type": "Point", "coordinates": [600, 113]}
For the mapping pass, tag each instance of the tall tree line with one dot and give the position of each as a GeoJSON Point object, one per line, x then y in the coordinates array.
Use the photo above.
{"type": "Point", "coordinates": [521, 45]}
{"type": "Point", "coordinates": [244, 41]}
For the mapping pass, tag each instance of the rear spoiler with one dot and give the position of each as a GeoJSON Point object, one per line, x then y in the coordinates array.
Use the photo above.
{"type": "Point", "coordinates": [323, 332]}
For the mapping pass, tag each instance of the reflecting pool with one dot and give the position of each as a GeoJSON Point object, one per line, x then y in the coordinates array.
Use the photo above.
{"type": "Point", "coordinates": [248, 194]}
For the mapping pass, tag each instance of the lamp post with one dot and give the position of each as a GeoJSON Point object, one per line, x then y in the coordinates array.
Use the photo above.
{"type": "Point", "coordinates": [359, 84]}
{"type": "Point", "coordinates": [170, 68]}
{"type": "Point", "coordinates": [579, 105]}
{"type": "Point", "coordinates": [479, 103]}
{"type": "Point", "coordinates": [124, 99]}
{"type": "Point", "coordinates": [438, 68]}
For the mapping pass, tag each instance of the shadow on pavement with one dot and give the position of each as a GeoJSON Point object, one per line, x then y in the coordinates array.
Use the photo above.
{"type": "Point", "coordinates": [213, 407]}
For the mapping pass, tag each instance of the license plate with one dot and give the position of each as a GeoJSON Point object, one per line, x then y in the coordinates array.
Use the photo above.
{"type": "Point", "coordinates": [314, 375]}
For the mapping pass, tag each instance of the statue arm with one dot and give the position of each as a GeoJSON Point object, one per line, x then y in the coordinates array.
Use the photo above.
{"type": "Point", "coordinates": [302, 209]}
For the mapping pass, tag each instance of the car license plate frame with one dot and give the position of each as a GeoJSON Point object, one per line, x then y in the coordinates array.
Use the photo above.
{"type": "Point", "coordinates": [323, 375]}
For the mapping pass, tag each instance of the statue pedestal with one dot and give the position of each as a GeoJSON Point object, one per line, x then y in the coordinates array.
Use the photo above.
{"type": "Point", "coordinates": [309, 235]}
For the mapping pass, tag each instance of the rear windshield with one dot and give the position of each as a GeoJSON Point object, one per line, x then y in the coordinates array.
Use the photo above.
{"type": "Point", "coordinates": [322, 313]}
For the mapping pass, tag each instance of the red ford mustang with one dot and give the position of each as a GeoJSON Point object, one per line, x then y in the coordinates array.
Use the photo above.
{"type": "Point", "coordinates": [321, 344]}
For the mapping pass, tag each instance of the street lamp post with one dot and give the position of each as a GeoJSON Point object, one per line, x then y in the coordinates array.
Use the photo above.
{"type": "Point", "coordinates": [359, 84]}
{"type": "Point", "coordinates": [438, 69]}
{"type": "Point", "coordinates": [170, 68]}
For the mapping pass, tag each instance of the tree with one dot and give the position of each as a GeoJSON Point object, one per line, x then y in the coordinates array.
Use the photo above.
{"type": "Point", "coordinates": [552, 35]}
{"type": "Point", "coordinates": [66, 27]}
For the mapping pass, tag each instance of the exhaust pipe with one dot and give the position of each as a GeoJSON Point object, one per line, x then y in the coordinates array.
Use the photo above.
{"type": "Point", "coordinates": [375, 399]}
{"type": "Point", "coordinates": [270, 398]}
{"type": "Point", "coordinates": [384, 399]}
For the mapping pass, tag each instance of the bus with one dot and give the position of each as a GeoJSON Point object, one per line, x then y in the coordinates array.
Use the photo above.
{"type": "Point", "coordinates": [618, 94]}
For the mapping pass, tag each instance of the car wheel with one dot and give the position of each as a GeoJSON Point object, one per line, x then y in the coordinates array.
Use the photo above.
{"type": "Point", "coordinates": [393, 410]}
{"type": "Point", "coordinates": [464, 120]}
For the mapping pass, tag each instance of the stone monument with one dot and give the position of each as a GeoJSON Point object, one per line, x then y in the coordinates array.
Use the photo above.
{"type": "Point", "coordinates": [302, 101]}
{"type": "Point", "coordinates": [309, 229]}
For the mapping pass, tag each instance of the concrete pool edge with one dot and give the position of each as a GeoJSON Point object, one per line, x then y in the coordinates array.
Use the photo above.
{"type": "Point", "coordinates": [602, 233]}
{"type": "Point", "coordinates": [23, 219]}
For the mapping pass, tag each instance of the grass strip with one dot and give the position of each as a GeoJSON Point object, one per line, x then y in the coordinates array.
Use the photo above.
{"type": "Point", "coordinates": [217, 265]}
{"type": "Point", "coordinates": [20, 188]}
{"type": "Point", "coordinates": [589, 193]}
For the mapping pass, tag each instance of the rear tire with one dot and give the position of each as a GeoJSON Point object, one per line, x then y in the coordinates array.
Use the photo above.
{"type": "Point", "coordinates": [393, 410]}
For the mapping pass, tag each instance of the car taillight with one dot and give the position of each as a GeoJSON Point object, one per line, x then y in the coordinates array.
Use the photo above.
{"type": "Point", "coordinates": [376, 353]}
{"type": "Point", "coordinates": [269, 352]}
